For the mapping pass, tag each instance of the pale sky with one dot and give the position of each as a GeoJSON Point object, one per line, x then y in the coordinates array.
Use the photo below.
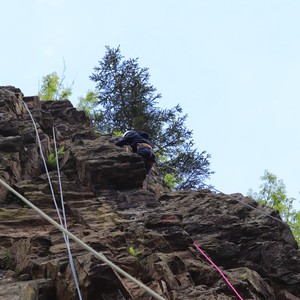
{"type": "Point", "coordinates": [233, 66]}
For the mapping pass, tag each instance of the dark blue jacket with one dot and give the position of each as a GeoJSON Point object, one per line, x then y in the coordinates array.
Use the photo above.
{"type": "Point", "coordinates": [133, 138]}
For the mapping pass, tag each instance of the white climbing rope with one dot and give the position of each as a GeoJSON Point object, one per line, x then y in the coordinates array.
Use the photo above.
{"type": "Point", "coordinates": [54, 200]}
{"type": "Point", "coordinates": [44, 161]}
{"type": "Point", "coordinates": [66, 237]}
{"type": "Point", "coordinates": [100, 256]}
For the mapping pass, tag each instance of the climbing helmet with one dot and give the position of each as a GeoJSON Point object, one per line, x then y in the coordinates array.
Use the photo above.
{"type": "Point", "coordinates": [126, 132]}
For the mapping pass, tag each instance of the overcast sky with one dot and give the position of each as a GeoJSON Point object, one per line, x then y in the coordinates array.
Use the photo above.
{"type": "Point", "coordinates": [233, 66]}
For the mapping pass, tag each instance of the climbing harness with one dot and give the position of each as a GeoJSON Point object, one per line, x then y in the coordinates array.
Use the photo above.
{"type": "Point", "coordinates": [143, 145]}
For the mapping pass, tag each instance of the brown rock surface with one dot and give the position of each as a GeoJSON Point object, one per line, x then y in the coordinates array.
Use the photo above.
{"type": "Point", "coordinates": [111, 205]}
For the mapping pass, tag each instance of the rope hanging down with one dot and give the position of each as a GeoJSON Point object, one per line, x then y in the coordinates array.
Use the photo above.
{"type": "Point", "coordinates": [81, 243]}
{"type": "Point", "coordinates": [66, 237]}
{"type": "Point", "coordinates": [53, 197]}
{"type": "Point", "coordinates": [219, 270]}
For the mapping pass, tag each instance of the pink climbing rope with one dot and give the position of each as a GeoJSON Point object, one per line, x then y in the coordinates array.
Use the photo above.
{"type": "Point", "coordinates": [219, 270]}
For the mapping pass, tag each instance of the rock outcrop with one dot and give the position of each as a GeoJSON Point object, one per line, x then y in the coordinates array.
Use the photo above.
{"type": "Point", "coordinates": [112, 205]}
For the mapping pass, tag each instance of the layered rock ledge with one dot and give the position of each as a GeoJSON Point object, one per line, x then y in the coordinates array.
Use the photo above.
{"type": "Point", "coordinates": [112, 205]}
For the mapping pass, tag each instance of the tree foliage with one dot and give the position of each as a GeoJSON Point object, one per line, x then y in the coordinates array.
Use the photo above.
{"type": "Point", "coordinates": [127, 100]}
{"type": "Point", "coordinates": [88, 103]}
{"type": "Point", "coordinates": [53, 87]}
{"type": "Point", "coordinates": [125, 96]}
{"type": "Point", "coordinates": [273, 193]}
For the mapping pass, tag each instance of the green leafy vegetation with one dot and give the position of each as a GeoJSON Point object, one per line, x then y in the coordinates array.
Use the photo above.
{"type": "Point", "coordinates": [61, 151]}
{"type": "Point", "coordinates": [127, 100]}
{"type": "Point", "coordinates": [170, 180]}
{"type": "Point", "coordinates": [124, 99]}
{"type": "Point", "coordinates": [53, 87]}
{"type": "Point", "coordinates": [134, 252]}
{"type": "Point", "coordinates": [51, 159]}
{"type": "Point", "coordinates": [88, 102]}
{"type": "Point", "coordinates": [118, 134]}
{"type": "Point", "coordinates": [273, 193]}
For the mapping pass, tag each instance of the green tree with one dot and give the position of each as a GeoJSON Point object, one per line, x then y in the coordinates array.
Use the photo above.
{"type": "Point", "coordinates": [125, 96]}
{"type": "Point", "coordinates": [126, 100]}
{"type": "Point", "coordinates": [88, 103]}
{"type": "Point", "coordinates": [273, 193]}
{"type": "Point", "coordinates": [53, 87]}
{"type": "Point", "coordinates": [294, 222]}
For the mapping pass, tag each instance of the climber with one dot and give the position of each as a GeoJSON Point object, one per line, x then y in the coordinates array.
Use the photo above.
{"type": "Point", "coordinates": [140, 144]}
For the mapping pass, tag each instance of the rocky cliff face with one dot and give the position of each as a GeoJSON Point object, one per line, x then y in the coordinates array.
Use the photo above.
{"type": "Point", "coordinates": [112, 206]}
